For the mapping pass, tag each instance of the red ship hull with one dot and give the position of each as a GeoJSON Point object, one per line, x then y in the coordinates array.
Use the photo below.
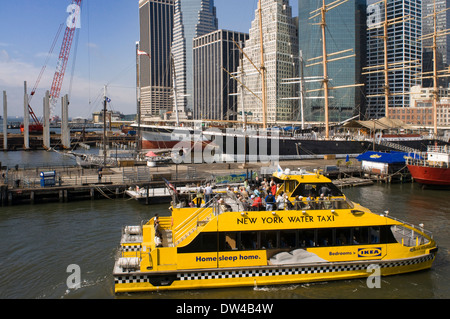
{"type": "Point", "coordinates": [430, 175]}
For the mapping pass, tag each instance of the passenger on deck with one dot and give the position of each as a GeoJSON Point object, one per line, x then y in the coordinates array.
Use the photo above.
{"type": "Point", "coordinates": [257, 203]}
{"type": "Point", "coordinates": [208, 193]}
{"type": "Point", "coordinates": [158, 239]}
{"type": "Point", "coordinates": [299, 204]}
{"type": "Point", "coordinates": [281, 201]}
{"type": "Point", "coordinates": [270, 201]}
{"type": "Point", "coordinates": [223, 206]}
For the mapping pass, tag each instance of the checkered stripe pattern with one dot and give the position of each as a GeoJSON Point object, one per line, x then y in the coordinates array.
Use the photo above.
{"type": "Point", "coordinates": [126, 279]}
{"type": "Point", "coordinates": [127, 248]}
{"type": "Point", "coordinates": [294, 270]}
{"type": "Point", "coordinates": [132, 279]}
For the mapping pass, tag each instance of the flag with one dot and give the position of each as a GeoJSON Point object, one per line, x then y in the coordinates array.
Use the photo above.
{"type": "Point", "coordinates": [279, 170]}
{"type": "Point", "coordinates": [107, 99]}
{"type": "Point", "coordinates": [143, 53]}
{"type": "Point", "coordinates": [170, 186]}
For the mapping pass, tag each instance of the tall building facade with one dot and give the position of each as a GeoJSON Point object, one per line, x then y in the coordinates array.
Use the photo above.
{"type": "Point", "coordinates": [155, 73]}
{"type": "Point", "coordinates": [346, 30]}
{"type": "Point", "coordinates": [192, 18]}
{"type": "Point", "coordinates": [443, 42]}
{"type": "Point", "coordinates": [404, 53]}
{"type": "Point", "coordinates": [213, 86]}
{"type": "Point", "coordinates": [280, 44]}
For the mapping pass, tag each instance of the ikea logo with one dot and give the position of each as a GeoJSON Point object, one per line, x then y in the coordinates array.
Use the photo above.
{"type": "Point", "coordinates": [369, 252]}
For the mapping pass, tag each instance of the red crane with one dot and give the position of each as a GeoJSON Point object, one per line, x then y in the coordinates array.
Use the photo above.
{"type": "Point", "coordinates": [73, 21]}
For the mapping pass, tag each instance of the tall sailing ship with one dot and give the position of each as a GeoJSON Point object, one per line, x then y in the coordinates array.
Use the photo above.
{"type": "Point", "coordinates": [289, 142]}
{"type": "Point", "coordinates": [435, 168]}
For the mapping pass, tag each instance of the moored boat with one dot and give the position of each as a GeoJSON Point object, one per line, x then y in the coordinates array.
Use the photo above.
{"type": "Point", "coordinates": [434, 169]}
{"type": "Point", "coordinates": [225, 244]}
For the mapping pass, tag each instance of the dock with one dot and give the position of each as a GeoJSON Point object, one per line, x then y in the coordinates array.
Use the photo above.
{"type": "Point", "coordinates": [23, 185]}
{"type": "Point", "coordinates": [36, 141]}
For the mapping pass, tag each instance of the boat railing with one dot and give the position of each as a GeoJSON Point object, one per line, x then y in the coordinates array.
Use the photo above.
{"type": "Point", "coordinates": [439, 149]}
{"type": "Point", "coordinates": [408, 233]}
{"type": "Point", "coordinates": [192, 223]}
{"type": "Point", "coordinates": [409, 237]}
{"type": "Point", "coordinates": [426, 163]}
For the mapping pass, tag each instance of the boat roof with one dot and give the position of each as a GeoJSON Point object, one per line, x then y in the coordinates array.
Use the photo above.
{"type": "Point", "coordinates": [301, 175]}
{"type": "Point", "coordinates": [388, 158]}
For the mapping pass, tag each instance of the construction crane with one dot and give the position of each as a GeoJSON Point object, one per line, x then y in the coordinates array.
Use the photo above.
{"type": "Point", "coordinates": [73, 21]}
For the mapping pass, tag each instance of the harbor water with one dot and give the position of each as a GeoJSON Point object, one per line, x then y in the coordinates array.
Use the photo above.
{"type": "Point", "coordinates": [41, 242]}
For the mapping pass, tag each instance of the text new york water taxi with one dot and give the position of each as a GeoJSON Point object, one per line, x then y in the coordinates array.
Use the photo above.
{"type": "Point", "coordinates": [225, 243]}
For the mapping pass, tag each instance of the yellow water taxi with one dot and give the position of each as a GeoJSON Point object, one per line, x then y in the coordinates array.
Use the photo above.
{"type": "Point", "coordinates": [307, 238]}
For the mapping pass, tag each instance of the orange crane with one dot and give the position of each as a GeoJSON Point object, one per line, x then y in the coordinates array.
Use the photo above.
{"type": "Point", "coordinates": [72, 23]}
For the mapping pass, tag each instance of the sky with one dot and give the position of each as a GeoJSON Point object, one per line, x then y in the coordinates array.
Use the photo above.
{"type": "Point", "coordinates": [102, 54]}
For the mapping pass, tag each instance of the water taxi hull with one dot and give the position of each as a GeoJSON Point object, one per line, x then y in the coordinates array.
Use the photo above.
{"type": "Point", "coordinates": [266, 275]}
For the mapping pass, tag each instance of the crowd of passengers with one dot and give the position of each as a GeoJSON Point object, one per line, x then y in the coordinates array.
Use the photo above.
{"type": "Point", "coordinates": [263, 195]}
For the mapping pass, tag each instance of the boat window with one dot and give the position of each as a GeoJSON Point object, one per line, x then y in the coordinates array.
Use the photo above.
{"type": "Point", "coordinates": [288, 239]}
{"type": "Point", "coordinates": [324, 237]}
{"type": "Point", "coordinates": [230, 242]}
{"type": "Point", "coordinates": [204, 242]}
{"type": "Point", "coordinates": [343, 237]}
{"type": "Point", "coordinates": [269, 240]}
{"type": "Point", "coordinates": [360, 235]}
{"type": "Point", "coordinates": [289, 186]}
{"type": "Point", "coordinates": [374, 233]}
{"type": "Point", "coordinates": [249, 240]}
{"type": "Point", "coordinates": [307, 238]}
{"type": "Point", "coordinates": [315, 189]}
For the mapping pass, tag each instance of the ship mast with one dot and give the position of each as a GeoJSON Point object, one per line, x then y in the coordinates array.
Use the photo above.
{"type": "Point", "coordinates": [262, 68]}
{"type": "Point", "coordinates": [443, 73]}
{"type": "Point", "coordinates": [386, 67]}
{"type": "Point", "coordinates": [323, 24]}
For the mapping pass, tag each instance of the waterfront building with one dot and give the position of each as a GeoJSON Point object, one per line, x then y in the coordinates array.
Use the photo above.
{"type": "Point", "coordinates": [420, 110]}
{"type": "Point", "coordinates": [214, 87]}
{"type": "Point", "coordinates": [346, 30]}
{"type": "Point", "coordinates": [192, 18]}
{"type": "Point", "coordinates": [155, 72]}
{"type": "Point", "coordinates": [443, 41]}
{"type": "Point", "coordinates": [281, 62]}
{"type": "Point", "coordinates": [404, 53]}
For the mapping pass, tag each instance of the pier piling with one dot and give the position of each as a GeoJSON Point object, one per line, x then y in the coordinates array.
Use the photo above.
{"type": "Point", "coordinates": [46, 132]}
{"type": "Point", "coordinates": [5, 121]}
{"type": "Point", "coordinates": [65, 133]}
{"type": "Point", "coordinates": [26, 119]}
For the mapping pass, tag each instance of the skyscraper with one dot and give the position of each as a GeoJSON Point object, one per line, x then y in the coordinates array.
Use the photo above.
{"type": "Point", "coordinates": [404, 53]}
{"type": "Point", "coordinates": [443, 41]}
{"type": "Point", "coordinates": [192, 18]}
{"type": "Point", "coordinates": [156, 24]}
{"type": "Point", "coordinates": [280, 42]}
{"type": "Point", "coordinates": [345, 31]}
{"type": "Point", "coordinates": [213, 87]}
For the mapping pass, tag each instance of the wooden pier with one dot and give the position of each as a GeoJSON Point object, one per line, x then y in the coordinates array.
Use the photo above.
{"type": "Point", "coordinates": [94, 191]}
{"type": "Point", "coordinates": [36, 142]}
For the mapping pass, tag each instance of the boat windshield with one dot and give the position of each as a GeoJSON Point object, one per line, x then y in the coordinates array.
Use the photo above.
{"type": "Point", "coordinates": [316, 189]}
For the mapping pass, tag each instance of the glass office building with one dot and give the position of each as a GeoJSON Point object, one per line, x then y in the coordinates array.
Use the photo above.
{"type": "Point", "coordinates": [214, 88]}
{"type": "Point", "coordinates": [346, 29]}
{"type": "Point", "coordinates": [156, 24]}
{"type": "Point", "coordinates": [404, 53]}
{"type": "Point", "coordinates": [192, 18]}
{"type": "Point", "coordinates": [443, 41]}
